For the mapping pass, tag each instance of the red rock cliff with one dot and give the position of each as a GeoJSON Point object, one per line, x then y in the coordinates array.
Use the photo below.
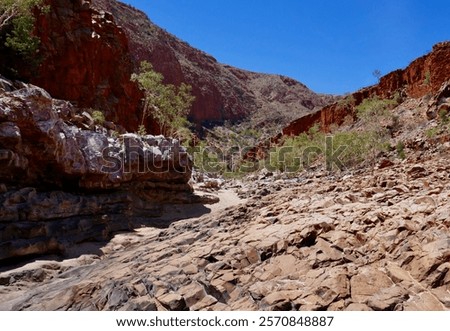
{"type": "Point", "coordinates": [86, 60]}
{"type": "Point", "coordinates": [423, 76]}
{"type": "Point", "coordinates": [90, 48]}
{"type": "Point", "coordinates": [222, 92]}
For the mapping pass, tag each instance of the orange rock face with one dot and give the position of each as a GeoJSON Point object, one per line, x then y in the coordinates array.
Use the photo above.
{"type": "Point", "coordinates": [423, 76]}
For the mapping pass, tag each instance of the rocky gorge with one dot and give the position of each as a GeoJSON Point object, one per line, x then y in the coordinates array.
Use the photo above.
{"type": "Point", "coordinates": [67, 177]}
{"type": "Point", "coordinates": [94, 216]}
{"type": "Point", "coordinates": [368, 238]}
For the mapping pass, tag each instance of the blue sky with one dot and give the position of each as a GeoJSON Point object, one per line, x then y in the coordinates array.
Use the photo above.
{"type": "Point", "coordinates": [331, 46]}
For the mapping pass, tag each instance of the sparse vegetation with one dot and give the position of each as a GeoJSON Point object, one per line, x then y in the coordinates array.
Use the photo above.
{"type": "Point", "coordinates": [234, 141]}
{"type": "Point", "coordinates": [98, 117]}
{"type": "Point", "coordinates": [185, 136]}
{"type": "Point", "coordinates": [432, 132]}
{"type": "Point", "coordinates": [251, 133]}
{"type": "Point", "coordinates": [427, 79]}
{"type": "Point", "coordinates": [355, 147]}
{"type": "Point", "coordinates": [349, 100]}
{"type": "Point", "coordinates": [341, 150]}
{"type": "Point", "coordinates": [374, 110]}
{"type": "Point", "coordinates": [338, 151]}
{"type": "Point", "coordinates": [443, 116]}
{"type": "Point", "coordinates": [377, 74]}
{"type": "Point", "coordinates": [400, 148]}
{"type": "Point", "coordinates": [376, 118]}
{"type": "Point", "coordinates": [167, 104]}
{"type": "Point", "coordinates": [442, 125]}
{"type": "Point", "coordinates": [142, 131]}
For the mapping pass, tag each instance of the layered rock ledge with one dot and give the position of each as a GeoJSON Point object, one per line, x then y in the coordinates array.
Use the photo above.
{"type": "Point", "coordinates": [64, 180]}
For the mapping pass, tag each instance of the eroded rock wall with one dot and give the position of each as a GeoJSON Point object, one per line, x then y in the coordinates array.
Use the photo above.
{"type": "Point", "coordinates": [423, 76]}
{"type": "Point", "coordinates": [63, 183]}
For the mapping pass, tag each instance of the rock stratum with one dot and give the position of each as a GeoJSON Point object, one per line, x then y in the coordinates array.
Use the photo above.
{"type": "Point", "coordinates": [65, 180]}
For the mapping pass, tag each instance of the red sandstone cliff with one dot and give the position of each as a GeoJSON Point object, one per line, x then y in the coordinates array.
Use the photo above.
{"type": "Point", "coordinates": [91, 48]}
{"type": "Point", "coordinates": [86, 60]}
{"type": "Point", "coordinates": [222, 92]}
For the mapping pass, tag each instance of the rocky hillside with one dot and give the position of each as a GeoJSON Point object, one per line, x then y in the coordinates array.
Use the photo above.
{"type": "Point", "coordinates": [222, 92]}
{"type": "Point", "coordinates": [424, 76]}
{"type": "Point", "coordinates": [89, 49]}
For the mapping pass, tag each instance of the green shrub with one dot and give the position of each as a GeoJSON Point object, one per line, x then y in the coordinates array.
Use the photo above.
{"type": "Point", "coordinates": [244, 167]}
{"type": "Point", "coordinates": [185, 136]}
{"type": "Point", "coordinates": [400, 148]}
{"type": "Point", "coordinates": [432, 132]}
{"type": "Point", "coordinates": [98, 117]}
{"type": "Point", "coordinates": [372, 109]}
{"type": "Point", "coordinates": [376, 117]}
{"type": "Point", "coordinates": [360, 147]}
{"type": "Point", "coordinates": [17, 22]}
{"type": "Point", "coordinates": [335, 152]}
{"type": "Point", "coordinates": [443, 116]}
{"type": "Point", "coordinates": [142, 131]}
{"type": "Point", "coordinates": [251, 133]}
{"type": "Point", "coordinates": [427, 79]}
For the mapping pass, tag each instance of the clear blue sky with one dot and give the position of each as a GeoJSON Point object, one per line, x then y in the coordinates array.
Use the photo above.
{"type": "Point", "coordinates": [331, 46]}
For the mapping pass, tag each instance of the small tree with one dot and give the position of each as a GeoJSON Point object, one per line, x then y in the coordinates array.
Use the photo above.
{"type": "Point", "coordinates": [167, 104]}
{"type": "Point", "coordinates": [17, 21]}
{"type": "Point", "coordinates": [377, 74]}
